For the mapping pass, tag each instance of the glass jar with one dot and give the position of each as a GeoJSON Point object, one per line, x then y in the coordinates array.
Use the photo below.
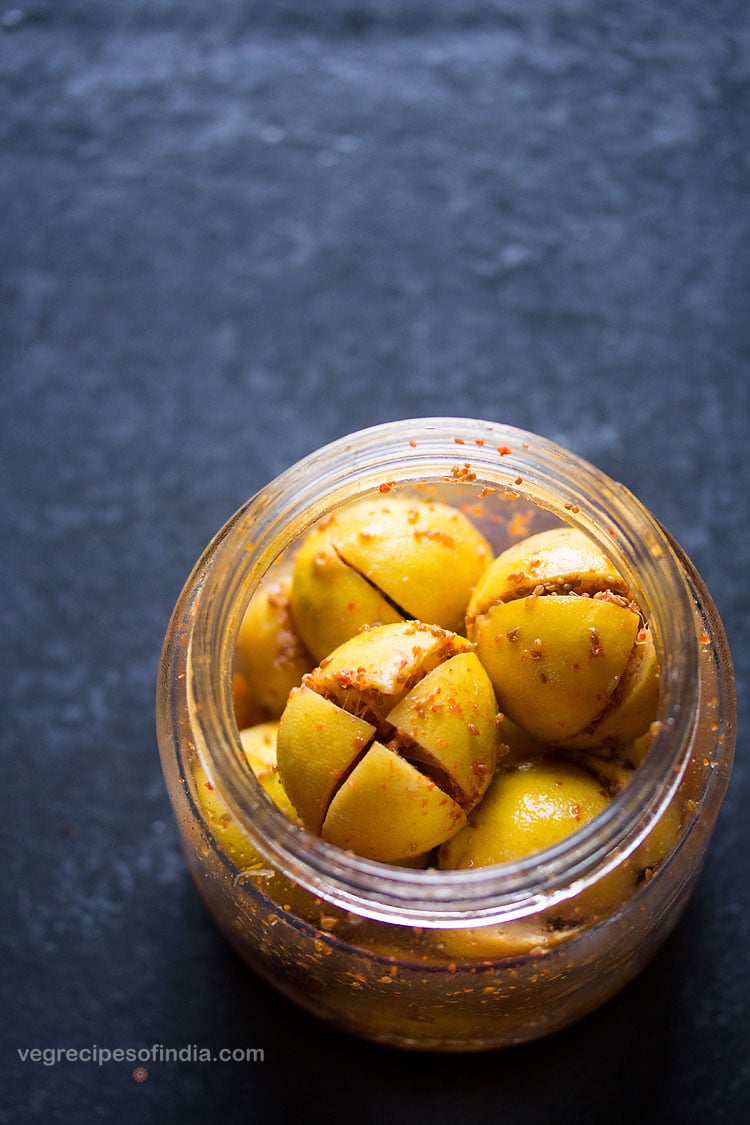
{"type": "Point", "coordinates": [448, 960]}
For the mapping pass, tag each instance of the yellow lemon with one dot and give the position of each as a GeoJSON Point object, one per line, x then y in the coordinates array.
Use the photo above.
{"type": "Point", "coordinates": [385, 560]}
{"type": "Point", "coordinates": [449, 723]}
{"type": "Point", "coordinates": [318, 743]}
{"type": "Point", "coordinates": [566, 648]}
{"type": "Point", "coordinates": [260, 745]}
{"type": "Point", "coordinates": [562, 560]}
{"type": "Point", "coordinates": [524, 811]}
{"type": "Point", "coordinates": [390, 740]}
{"type": "Point", "coordinates": [387, 810]}
{"type": "Point", "coordinates": [270, 658]}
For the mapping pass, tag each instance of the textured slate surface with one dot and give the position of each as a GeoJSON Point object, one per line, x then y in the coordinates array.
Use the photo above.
{"type": "Point", "coordinates": [228, 234]}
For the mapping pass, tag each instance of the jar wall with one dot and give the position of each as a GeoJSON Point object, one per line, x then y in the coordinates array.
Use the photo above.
{"type": "Point", "coordinates": [466, 986]}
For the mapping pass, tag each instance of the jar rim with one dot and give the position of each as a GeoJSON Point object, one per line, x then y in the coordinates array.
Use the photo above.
{"type": "Point", "coordinates": [417, 449]}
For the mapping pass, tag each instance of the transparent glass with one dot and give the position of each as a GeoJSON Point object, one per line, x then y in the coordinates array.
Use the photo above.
{"type": "Point", "coordinates": [448, 960]}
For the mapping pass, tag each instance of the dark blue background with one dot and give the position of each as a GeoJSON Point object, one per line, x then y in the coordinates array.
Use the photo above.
{"type": "Point", "coordinates": [230, 232]}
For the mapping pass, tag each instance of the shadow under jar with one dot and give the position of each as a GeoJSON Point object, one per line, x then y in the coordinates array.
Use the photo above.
{"type": "Point", "coordinates": [465, 959]}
